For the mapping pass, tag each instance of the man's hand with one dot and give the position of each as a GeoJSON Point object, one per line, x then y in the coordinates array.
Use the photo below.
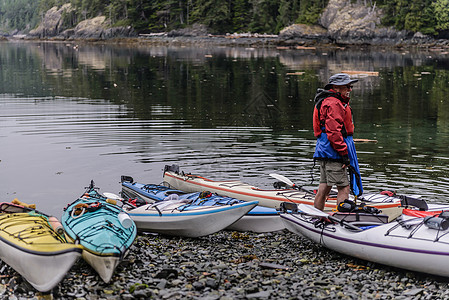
{"type": "Point", "coordinates": [346, 161]}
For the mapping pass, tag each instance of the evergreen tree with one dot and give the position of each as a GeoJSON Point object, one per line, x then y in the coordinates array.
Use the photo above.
{"type": "Point", "coordinates": [264, 15]}
{"type": "Point", "coordinates": [240, 15]}
{"type": "Point", "coordinates": [285, 14]}
{"type": "Point", "coordinates": [418, 15]}
{"type": "Point", "coordinates": [310, 11]}
{"type": "Point", "coordinates": [215, 14]}
{"type": "Point", "coordinates": [441, 9]}
{"type": "Point", "coordinates": [139, 12]}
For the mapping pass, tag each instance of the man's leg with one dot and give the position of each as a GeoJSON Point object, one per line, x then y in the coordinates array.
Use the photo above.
{"type": "Point", "coordinates": [343, 193]}
{"type": "Point", "coordinates": [321, 195]}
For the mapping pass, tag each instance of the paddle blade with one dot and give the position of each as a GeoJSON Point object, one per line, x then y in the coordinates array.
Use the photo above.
{"type": "Point", "coordinates": [282, 178]}
{"type": "Point", "coordinates": [312, 211]}
{"type": "Point", "coordinates": [112, 196]}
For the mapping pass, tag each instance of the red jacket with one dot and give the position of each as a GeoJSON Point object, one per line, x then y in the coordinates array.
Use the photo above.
{"type": "Point", "coordinates": [336, 115]}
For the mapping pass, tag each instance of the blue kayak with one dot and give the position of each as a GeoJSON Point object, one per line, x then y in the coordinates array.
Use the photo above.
{"type": "Point", "coordinates": [259, 219]}
{"type": "Point", "coordinates": [104, 230]}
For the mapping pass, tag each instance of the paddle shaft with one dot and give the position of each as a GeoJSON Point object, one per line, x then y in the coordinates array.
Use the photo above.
{"type": "Point", "coordinates": [313, 211]}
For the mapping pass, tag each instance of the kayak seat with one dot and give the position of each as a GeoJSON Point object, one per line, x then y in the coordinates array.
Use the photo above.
{"type": "Point", "coordinates": [288, 207]}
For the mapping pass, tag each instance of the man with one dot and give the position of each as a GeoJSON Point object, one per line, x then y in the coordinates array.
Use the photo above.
{"type": "Point", "coordinates": [333, 127]}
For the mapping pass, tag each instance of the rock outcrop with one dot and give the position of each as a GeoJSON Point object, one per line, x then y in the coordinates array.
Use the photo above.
{"type": "Point", "coordinates": [97, 28]}
{"type": "Point", "coordinates": [349, 23]}
{"type": "Point", "coordinates": [344, 22]}
{"type": "Point", "coordinates": [305, 33]}
{"type": "Point", "coordinates": [52, 23]}
{"type": "Point", "coordinates": [53, 26]}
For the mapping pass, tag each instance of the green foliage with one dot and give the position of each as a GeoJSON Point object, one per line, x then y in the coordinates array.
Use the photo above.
{"type": "Point", "coordinates": [441, 10]}
{"type": "Point", "coordinates": [215, 14]}
{"type": "Point", "coordinates": [429, 21]}
{"type": "Point", "coordinates": [310, 15]}
{"type": "Point", "coordinates": [310, 11]}
{"type": "Point", "coordinates": [262, 16]}
{"type": "Point", "coordinates": [139, 12]}
{"type": "Point", "coordinates": [417, 15]}
{"type": "Point", "coordinates": [18, 14]}
{"type": "Point", "coordinates": [137, 286]}
{"type": "Point", "coordinates": [162, 15]}
{"type": "Point", "coordinates": [240, 15]}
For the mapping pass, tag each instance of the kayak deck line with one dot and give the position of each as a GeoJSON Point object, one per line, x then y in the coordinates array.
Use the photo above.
{"type": "Point", "coordinates": [278, 197]}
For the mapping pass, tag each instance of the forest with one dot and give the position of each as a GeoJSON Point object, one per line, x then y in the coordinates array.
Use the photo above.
{"type": "Point", "coordinates": [429, 17]}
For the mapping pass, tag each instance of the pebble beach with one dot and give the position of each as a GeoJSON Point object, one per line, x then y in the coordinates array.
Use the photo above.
{"type": "Point", "coordinates": [234, 265]}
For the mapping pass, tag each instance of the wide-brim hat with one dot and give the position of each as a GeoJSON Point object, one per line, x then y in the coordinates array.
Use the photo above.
{"type": "Point", "coordinates": [339, 79]}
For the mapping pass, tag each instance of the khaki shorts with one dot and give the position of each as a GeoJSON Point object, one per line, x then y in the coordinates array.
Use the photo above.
{"type": "Point", "coordinates": [332, 173]}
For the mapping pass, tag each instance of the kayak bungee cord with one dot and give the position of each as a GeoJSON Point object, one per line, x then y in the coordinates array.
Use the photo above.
{"type": "Point", "coordinates": [33, 232]}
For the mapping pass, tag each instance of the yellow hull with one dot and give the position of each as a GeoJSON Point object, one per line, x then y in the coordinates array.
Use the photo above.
{"type": "Point", "coordinates": [30, 245]}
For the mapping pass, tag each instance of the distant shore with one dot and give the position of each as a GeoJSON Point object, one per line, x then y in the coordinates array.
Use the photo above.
{"type": "Point", "coordinates": [243, 40]}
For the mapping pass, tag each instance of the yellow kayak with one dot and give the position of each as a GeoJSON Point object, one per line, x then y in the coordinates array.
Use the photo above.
{"type": "Point", "coordinates": [31, 245]}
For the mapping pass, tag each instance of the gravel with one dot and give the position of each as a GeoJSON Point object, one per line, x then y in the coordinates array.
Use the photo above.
{"type": "Point", "coordinates": [234, 265]}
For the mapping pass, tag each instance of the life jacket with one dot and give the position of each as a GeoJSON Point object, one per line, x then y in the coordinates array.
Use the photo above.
{"type": "Point", "coordinates": [333, 148]}
{"type": "Point", "coordinates": [319, 125]}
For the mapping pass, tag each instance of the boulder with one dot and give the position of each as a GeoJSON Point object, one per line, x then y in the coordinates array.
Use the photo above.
{"type": "Point", "coordinates": [52, 23]}
{"type": "Point", "coordinates": [356, 23]}
{"type": "Point", "coordinates": [345, 20]}
{"type": "Point", "coordinates": [99, 27]}
{"type": "Point", "coordinates": [302, 33]}
{"type": "Point", "coordinates": [91, 28]}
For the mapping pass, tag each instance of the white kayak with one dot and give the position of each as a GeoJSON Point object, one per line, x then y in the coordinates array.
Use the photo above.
{"type": "Point", "coordinates": [183, 218]}
{"type": "Point", "coordinates": [417, 244]}
{"type": "Point", "coordinates": [268, 198]}
{"type": "Point", "coordinates": [260, 219]}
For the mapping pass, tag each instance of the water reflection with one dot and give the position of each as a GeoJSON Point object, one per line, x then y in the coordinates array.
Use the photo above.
{"type": "Point", "coordinates": [70, 113]}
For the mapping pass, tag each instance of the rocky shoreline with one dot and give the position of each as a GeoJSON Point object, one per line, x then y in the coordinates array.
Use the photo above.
{"type": "Point", "coordinates": [286, 41]}
{"type": "Point", "coordinates": [232, 265]}
{"type": "Point", "coordinates": [341, 24]}
{"type": "Point", "coordinates": [441, 45]}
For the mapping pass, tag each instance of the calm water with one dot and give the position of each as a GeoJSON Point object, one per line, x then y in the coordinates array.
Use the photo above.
{"type": "Point", "coordinates": [71, 113]}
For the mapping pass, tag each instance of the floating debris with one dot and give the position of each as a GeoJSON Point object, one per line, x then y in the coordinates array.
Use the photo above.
{"type": "Point", "coordinates": [305, 48]}
{"type": "Point", "coordinates": [364, 141]}
{"type": "Point", "coordinates": [366, 73]}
